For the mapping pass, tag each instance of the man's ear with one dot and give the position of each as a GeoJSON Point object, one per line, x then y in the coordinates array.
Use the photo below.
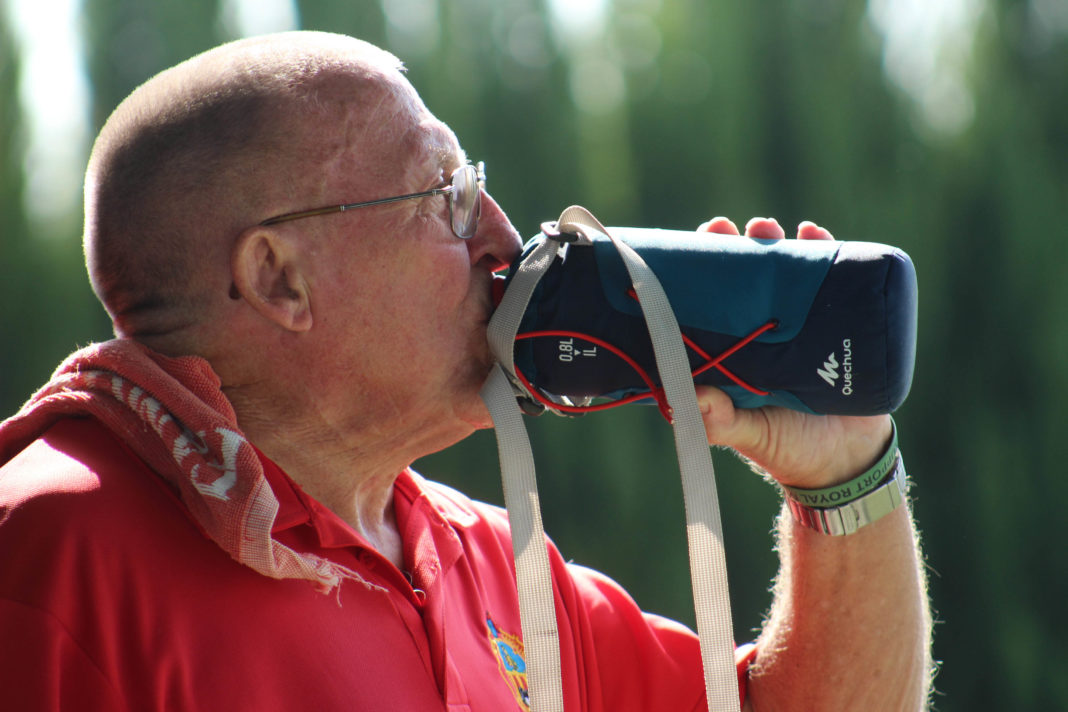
{"type": "Point", "coordinates": [267, 274]}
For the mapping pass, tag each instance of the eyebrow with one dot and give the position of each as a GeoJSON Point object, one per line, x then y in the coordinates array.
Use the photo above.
{"type": "Point", "coordinates": [449, 160]}
{"type": "Point", "coordinates": [448, 154]}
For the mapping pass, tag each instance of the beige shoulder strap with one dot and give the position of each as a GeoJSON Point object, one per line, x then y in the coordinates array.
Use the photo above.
{"type": "Point", "coordinates": [708, 568]}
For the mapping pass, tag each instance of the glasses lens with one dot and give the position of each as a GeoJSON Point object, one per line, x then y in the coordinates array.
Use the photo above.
{"type": "Point", "coordinates": [466, 199]}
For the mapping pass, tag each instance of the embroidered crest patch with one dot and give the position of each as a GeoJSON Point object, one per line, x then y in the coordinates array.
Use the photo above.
{"type": "Point", "coordinates": [508, 650]}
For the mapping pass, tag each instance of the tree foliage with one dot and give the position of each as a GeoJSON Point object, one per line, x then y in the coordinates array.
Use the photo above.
{"type": "Point", "coordinates": [668, 112]}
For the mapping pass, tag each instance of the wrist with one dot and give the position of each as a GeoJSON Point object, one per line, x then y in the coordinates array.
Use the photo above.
{"type": "Point", "coordinates": [824, 459]}
{"type": "Point", "coordinates": [852, 488]}
{"type": "Point", "coordinates": [846, 507]}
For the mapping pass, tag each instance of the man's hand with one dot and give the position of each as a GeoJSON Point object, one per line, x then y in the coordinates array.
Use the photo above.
{"type": "Point", "coordinates": [795, 448]}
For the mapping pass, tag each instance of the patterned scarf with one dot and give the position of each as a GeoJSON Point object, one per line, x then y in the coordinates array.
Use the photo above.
{"type": "Point", "coordinates": [173, 414]}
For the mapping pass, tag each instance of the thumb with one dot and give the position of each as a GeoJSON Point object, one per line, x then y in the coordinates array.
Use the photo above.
{"type": "Point", "coordinates": [739, 428]}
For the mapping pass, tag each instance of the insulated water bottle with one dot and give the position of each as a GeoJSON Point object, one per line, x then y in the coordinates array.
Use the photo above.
{"type": "Point", "coordinates": [819, 326]}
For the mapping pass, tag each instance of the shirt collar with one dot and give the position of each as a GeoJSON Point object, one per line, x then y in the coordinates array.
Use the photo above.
{"type": "Point", "coordinates": [293, 507]}
{"type": "Point", "coordinates": [296, 507]}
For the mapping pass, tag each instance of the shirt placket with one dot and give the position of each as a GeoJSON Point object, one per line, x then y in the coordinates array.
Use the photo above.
{"type": "Point", "coordinates": [435, 548]}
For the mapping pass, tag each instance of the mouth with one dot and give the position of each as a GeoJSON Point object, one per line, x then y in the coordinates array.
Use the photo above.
{"type": "Point", "coordinates": [494, 292]}
{"type": "Point", "coordinates": [497, 289]}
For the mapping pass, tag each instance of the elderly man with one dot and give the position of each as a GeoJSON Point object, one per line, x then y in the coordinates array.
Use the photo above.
{"type": "Point", "coordinates": [215, 510]}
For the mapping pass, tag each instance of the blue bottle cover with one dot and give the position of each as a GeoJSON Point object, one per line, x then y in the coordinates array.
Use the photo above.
{"type": "Point", "coordinates": [829, 326]}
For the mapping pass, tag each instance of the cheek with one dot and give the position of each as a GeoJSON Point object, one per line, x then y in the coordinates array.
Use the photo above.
{"type": "Point", "coordinates": [405, 293]}
{"type": "Point", "coordinates": [436, 280]}
{"type": "Point", "coordinates": [422, 300]}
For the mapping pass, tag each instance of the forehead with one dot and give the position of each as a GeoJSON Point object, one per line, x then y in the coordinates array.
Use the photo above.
{"type": "Point", "coordinates": [434, 144]}
{"type": "Point", "coordinates": [420, 136]}
{"type": "Point", "coordinates": [396, 135]}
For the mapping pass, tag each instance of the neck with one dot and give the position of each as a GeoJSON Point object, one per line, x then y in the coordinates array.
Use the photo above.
{"type": "Point", "coordinates": [345, 449]}
{"type": "Point", "coordinates": [353, 480]}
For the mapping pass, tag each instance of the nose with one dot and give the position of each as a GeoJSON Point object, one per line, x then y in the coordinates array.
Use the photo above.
{"type": "Point", "coordinates": [496, 243]}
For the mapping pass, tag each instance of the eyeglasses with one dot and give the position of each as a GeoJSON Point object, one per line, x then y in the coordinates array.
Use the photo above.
{"type": "Point", "coordinates": [465, 201]}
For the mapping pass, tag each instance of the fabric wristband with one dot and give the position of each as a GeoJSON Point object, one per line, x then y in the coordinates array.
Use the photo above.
{"type": "Point", "coordinates": [862, 484]}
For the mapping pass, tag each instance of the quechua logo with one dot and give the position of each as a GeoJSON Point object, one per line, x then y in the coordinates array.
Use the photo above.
{"type": "Point", "coordinates": [833, 369]}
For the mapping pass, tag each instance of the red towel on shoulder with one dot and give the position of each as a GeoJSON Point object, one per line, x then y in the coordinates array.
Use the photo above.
{"type": "Point", "coordinates": [174, 415]}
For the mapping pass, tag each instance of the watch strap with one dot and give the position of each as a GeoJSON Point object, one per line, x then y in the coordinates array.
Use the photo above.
{"type": "Point", "coordinates": [849, 517]}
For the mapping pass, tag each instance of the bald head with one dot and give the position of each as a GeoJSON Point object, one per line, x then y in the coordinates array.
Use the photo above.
{"type": "Point", "coordinates": [202, 151]}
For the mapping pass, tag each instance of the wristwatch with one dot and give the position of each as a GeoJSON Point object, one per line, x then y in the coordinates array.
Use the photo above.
{"type": "Point", "coordinates": [849, 517]}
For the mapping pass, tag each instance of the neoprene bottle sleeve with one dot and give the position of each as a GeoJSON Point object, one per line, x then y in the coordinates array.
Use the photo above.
{"type": "Point", "coordinates": [818, 326]}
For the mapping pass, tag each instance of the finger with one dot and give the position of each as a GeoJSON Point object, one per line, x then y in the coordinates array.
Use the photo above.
{"type": "Point", "coordinates": [811, 231]}
{"type": "Point", "coordinates": [720, 225]}
{"type": "Point", "coordinates": [765, 229]}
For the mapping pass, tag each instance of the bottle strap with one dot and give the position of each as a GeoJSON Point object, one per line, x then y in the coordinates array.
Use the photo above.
{"type": "Point", "coordinates": [708, 570]}
{"type": "Point", "coordinates": [537, 616]}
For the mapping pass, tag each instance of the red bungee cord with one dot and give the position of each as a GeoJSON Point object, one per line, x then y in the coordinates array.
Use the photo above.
{"type": "Point", "coordinates": [655, 392]}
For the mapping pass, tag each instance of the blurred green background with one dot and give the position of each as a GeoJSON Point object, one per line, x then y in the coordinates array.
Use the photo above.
{"type": "Point", "coordinates": [940, 127]}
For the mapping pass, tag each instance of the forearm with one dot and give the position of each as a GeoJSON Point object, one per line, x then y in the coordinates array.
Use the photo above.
{"type": "Point", "coordinates": [849, 627]}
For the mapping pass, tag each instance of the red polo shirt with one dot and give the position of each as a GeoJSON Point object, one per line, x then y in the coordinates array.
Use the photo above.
{"type": "Point", "coordinates": [111, 598]}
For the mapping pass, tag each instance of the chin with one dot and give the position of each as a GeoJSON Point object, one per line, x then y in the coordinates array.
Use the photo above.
{"type": "Point", "coordinates": [469, 405]}
{"type": "Point", "coordinates": [477, 416]}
